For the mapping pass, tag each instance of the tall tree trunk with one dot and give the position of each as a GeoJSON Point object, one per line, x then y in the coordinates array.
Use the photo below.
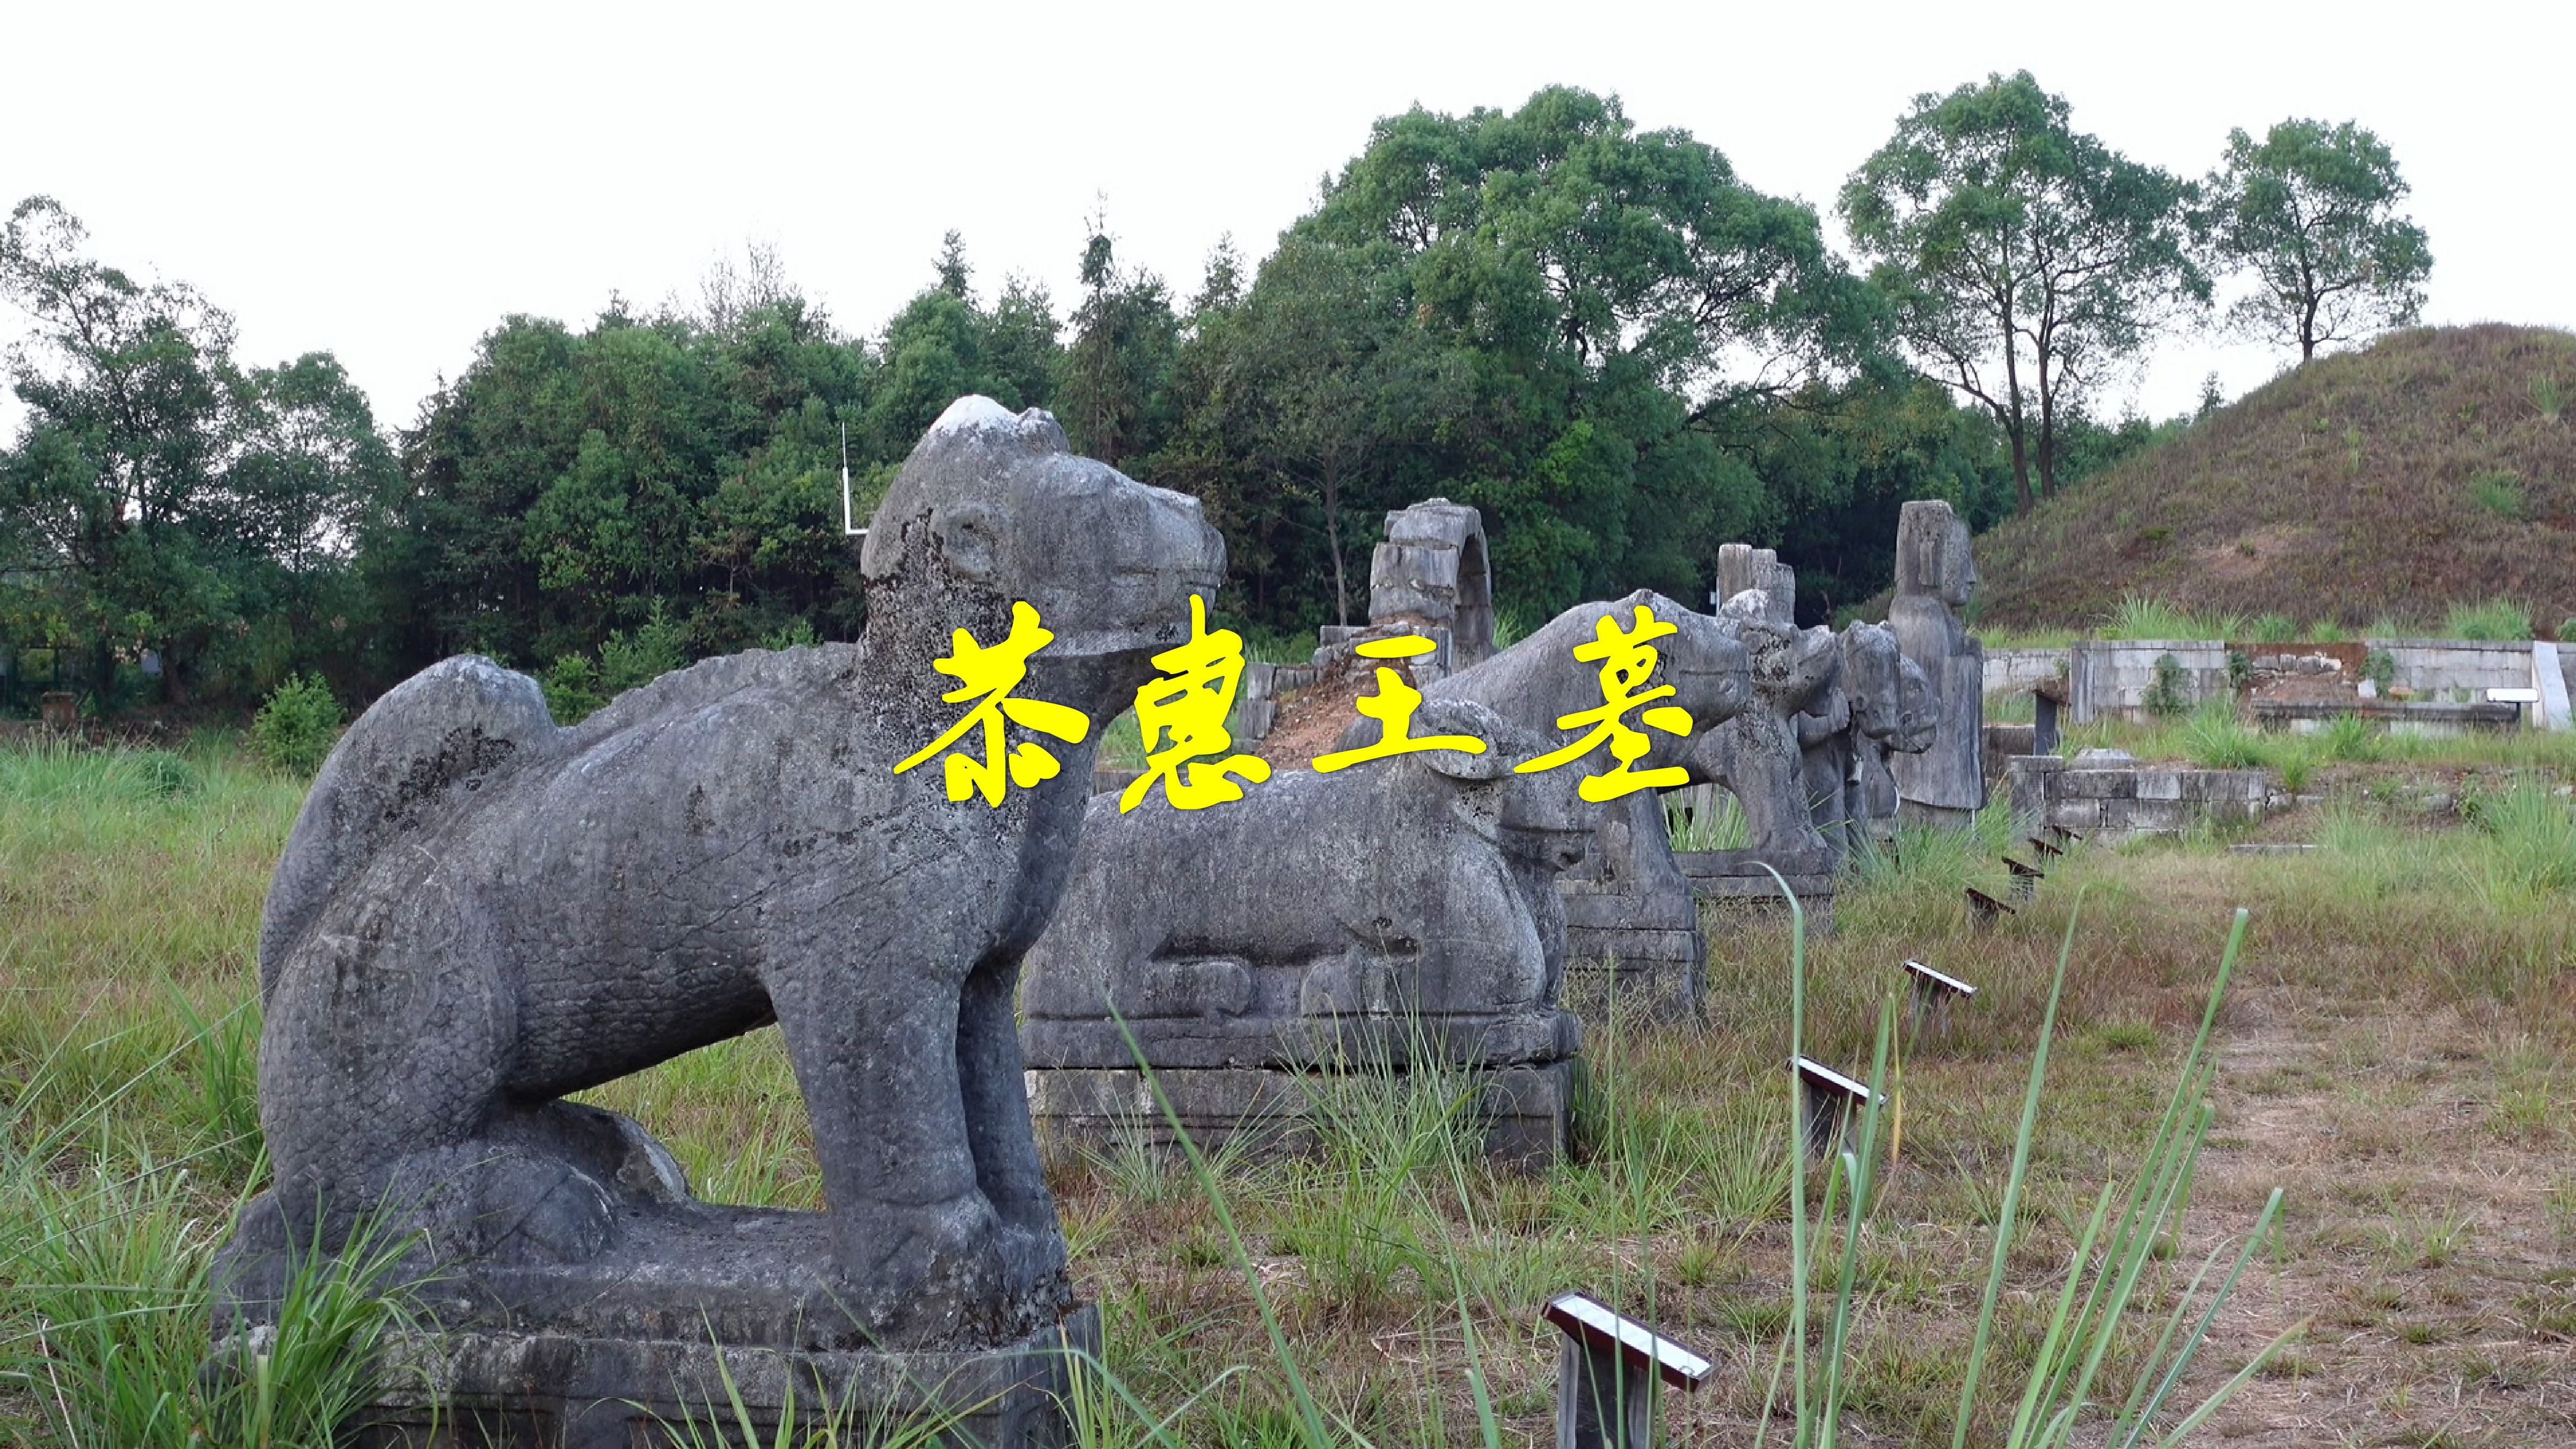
{"type": "Point", "coordinates": [2014, 426]}
{"type": "Point", "coordinates": [1333, 541]}
{"type": "Point", "coordinates": [102, 673]}
{"type": "Point", "coordinates": [2047, 431]}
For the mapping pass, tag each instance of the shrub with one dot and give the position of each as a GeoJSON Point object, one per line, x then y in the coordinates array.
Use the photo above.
{"type": "Point", "coordinates": [798, 634]}
{"type": "Point", "coordinates": [2165, 696]}
{"type": "Point", "coordinates": [2348, 737]}
{"type": "Point", "coordinates": [165, 776]}
{"type": "Point", "coordinates": [298, 725]}
{"type": "Point", "coordinates": [2498, 492]}
{"type": "Point", "coordinates": [2546, 396]}
{"type": "Point", "coordinates": [572, 689]}
{"type": "Point", "coordinates": [2273, 629]}
{"type": "Point", "coordinates": [653, 650]}
{"type": "Point", "coordinates": [2295, 764]}
{"type": "Point", "coordinates": [2380, 668]}
{"type": "Point", "coordinates": [2501, 619]}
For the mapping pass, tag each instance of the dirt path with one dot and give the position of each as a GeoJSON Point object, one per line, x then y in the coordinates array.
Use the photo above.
{"type": "Point", "coordinates": [2428, 1229]}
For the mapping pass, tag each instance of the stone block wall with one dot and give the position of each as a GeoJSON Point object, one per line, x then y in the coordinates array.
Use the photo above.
{"type": "Point", "coordinates": [2012, 670]}
{"type": "Point", "coordinates": [2121, 801]}
{"type": "Point", "coordinates": [2111, 678]}
{"type": "Point", "coordinates": [2441, 668]}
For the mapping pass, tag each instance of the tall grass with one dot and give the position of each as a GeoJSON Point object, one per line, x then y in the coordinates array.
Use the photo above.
{"type": "Point", "coordinates": [2140, 617]}
{"type": "Point", "coordinates": [2105, 1275]}
{"type": "Point", "coordinates": [2497, 619]}
{"type": "Point", "coordinates": [105, 1300]}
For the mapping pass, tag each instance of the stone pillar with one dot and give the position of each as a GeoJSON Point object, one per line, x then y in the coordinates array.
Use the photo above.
{"type": "Point", "coordinates": [1432, 576]}
{"type": "Point", "coordinates": [1946, 784]}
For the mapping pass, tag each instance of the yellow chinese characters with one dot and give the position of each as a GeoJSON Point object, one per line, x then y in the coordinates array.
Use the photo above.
{"type": "Point", "coordinates": [993, 673]}
{"type": "Point", "coordinates": [1184, 713]}
{"type": "Point", "coordinates": [1393, 706]}
{"type": "Point", "coordinates": [1627, 662]}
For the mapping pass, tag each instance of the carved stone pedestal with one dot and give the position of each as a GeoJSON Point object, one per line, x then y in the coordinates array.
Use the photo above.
{"type": "Point", "coordinates": [1632, 939]}
{"type": "Point", "coordinates": [1528, 1111]}
{"type": "Point", "coordinates": [1731, 886]}
{"type": "Point", "coordinates": [692, 1306]}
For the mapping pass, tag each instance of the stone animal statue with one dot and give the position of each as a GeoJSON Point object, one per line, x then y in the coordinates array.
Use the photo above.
{"type": "Point", "coordinates": [1935, 578]}
{"type": "Point", "coordinates": [479, 912]}
{"type": "Point", "coordinates": [1627, 904]}
{"type": "Point", "coordinates": [1755, 754]}
{"type": "Point", "coordinates": [1326, 923]}
{"type": "Point", "coordinates": [1873, 798]}
{"type": "Point", "coordinates": [1538, 681]}
{"type": "Point", "coordinates": [1861, 709]}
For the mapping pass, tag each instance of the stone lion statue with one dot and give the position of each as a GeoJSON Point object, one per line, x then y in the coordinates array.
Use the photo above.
{"type": "Point", "coordinates": [480, 912]}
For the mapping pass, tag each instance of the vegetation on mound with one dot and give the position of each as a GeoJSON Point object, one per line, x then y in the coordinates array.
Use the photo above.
{"type": "Point", "coordinates": [2433, 471]}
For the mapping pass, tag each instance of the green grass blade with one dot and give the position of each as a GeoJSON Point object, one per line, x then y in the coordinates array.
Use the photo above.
{"type": "Point", "coordinates": [2013, 1183]}
{"type": "Point", "coordinates": [2047, 1370]}
{"type": "Point", "coordinates": [1310, 1416]}
{"type": "Point", "coordinates": [2217, 1301]}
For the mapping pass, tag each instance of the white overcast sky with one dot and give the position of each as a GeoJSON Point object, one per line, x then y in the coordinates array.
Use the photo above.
{"type": "Point", "coordinates": [387, 181]}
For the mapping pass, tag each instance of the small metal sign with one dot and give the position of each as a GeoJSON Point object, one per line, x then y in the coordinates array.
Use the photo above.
{"type": "Point", "coordinates": [848, 524]}
{"type": "Point", "coordinates": [1607, 1372]}
{"type": "Point", "coordinates": [1984, 910]}
{"type": "Point", "coordinates": [1829, 1098]}
{"type": "Point", "coordinates": [1934, 991]}
{"type": "Point", "coordinates": [2025, 878]}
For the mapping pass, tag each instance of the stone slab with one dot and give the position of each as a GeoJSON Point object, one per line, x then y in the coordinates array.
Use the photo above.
{"type": "Point", "coordinates": [601, 1353]}
{"type": "Point", "coordinates": [1298, 1043]}
{"type": "Point", "coordinates": [569, 1391]}
{"type": "Point", "coordinates": [1528, 1111]}
{"type": "Point", "coordinates": [1618, 971]}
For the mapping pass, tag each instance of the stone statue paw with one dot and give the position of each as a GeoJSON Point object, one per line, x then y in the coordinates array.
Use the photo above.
{"type": "Point", "coordinates": [925, 1261]}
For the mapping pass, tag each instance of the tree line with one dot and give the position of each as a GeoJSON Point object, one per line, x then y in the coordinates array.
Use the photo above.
{"type": "Point", "coordinates": [1617, 350]}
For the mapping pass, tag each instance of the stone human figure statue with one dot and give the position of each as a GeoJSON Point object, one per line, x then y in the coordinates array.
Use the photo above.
{"type": "Point", "coordinates": [1741, 566]}
{"type": "Point", "coordinates": [1849, 725]}
{"type": "Point", "coordinates": [1946, 784]}
{"type": "Point", "coordinates": [1873, 796]}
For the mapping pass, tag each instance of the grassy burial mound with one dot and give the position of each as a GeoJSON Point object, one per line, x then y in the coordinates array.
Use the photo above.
{"type": "Point", "coordinates": [2433, 470]}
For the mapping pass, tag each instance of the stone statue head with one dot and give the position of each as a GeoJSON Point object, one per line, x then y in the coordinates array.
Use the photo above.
{"type": "Point", "coordinates": [1932, 553]}
{"type": "Point", "coordinates": [1918, 710]}
{"type": "Point", "coordinates": [1871, 679]}
{"type": "Point", "coordinates": [994, 507]}
{"type": "Point", "coordinates": [1790, 666]}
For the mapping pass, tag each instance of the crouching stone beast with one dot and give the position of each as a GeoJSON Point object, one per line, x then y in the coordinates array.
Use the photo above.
{"type": "Point", "coordinates": [479, 913]}
{"type": "Point", "coordinates": [1355, 917]}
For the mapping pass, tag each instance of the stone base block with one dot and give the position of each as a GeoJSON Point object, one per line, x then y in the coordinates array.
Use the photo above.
{"type": "Point", "coordinates": [643, 1336]}
{"type": "Point", "coordinates": [1656, 970]}
{"type": "Point", "coordinates": [566, 1391]}
{"type": "Point", "coordinates": [1528, 1110]}
{"type": "Point", "coordinates": [1731, 889]}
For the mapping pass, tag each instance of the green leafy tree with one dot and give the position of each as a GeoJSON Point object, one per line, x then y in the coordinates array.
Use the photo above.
{"type": "Point", "coordinates": [677, 478]}
{"type": "Point", "coordinates": [1574, 325]}
{"type": "Point", "coordinates": [1116, 375]}
{"type": "Point", "coordinates": [2311, 212]}
{"type": "Point", "coordinates": [160, 496]}
{"type": "Point", "coordinates": [2024, 258]}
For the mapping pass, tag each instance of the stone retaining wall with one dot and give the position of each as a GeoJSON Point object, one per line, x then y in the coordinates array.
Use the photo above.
{"type": "Point", "coordinates": [2010, 670]}
{"type": "Point", "coordinates": [2123, 800]}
